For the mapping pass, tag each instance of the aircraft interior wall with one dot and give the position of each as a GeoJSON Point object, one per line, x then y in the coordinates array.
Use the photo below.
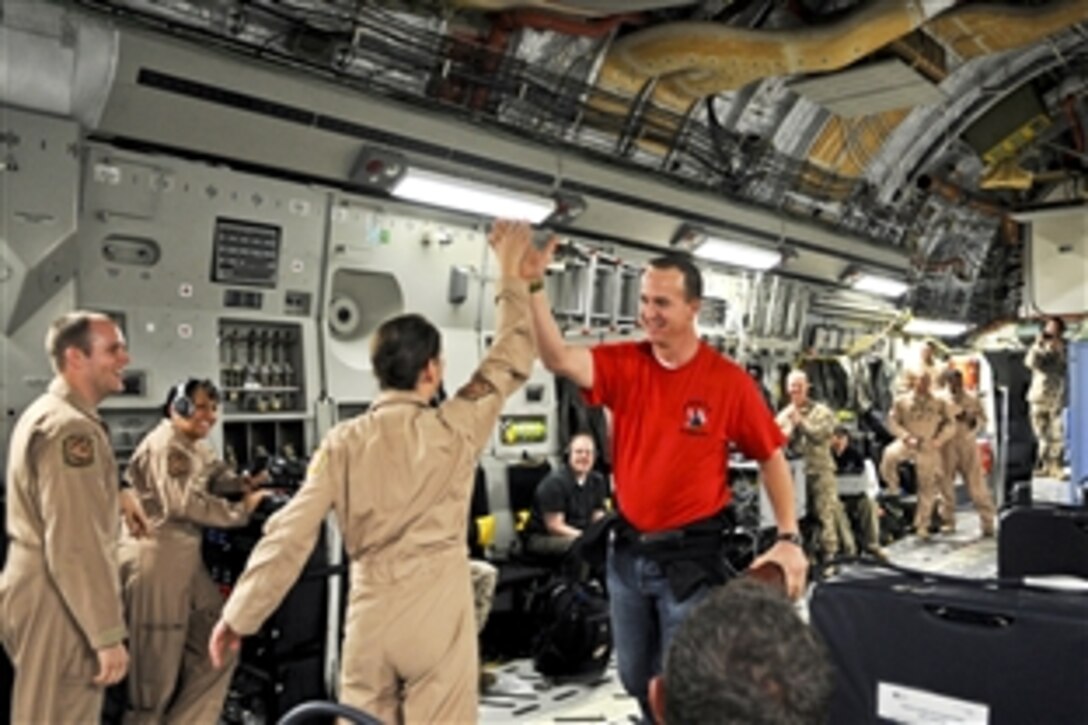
{"type": "Point", "coordinates": [217, 205]}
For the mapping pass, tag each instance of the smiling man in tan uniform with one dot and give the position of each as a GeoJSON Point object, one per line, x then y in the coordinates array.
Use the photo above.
{"type": "Point", "coordinates": [399, 478]}
{"type": "Point", "coordinates": [922, 424]}
{"type": "Point", "coordinates": [60, 600]}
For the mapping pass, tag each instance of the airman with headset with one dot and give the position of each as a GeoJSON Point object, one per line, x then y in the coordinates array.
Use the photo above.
{"type": "Point", "coordinates": [170, 600]}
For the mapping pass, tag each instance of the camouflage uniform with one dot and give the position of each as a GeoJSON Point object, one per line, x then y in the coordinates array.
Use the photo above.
{"type": "Point", "coordinates": [930, 420]}
{"type": "Point", "coordinates": [1047, 398]}
{"type": "Point", "coordinates": [812, 439]}
{"type": "Point", "coordinates": [484, 578]}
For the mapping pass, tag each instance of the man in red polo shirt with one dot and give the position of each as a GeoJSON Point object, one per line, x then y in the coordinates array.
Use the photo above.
{"type": "Point", "coordinates": [677, 405]}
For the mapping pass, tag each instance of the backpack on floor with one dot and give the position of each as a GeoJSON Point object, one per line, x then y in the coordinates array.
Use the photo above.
{"type": "Point", "coordinates": [574, 638]}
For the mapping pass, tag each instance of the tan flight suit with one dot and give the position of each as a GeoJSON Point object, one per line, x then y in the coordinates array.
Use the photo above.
{"type": "Point", "coordinates": [60, 597]}
{"type": "Point", "coordinates": [935, 370]}
{"type": "Point", "coordinates": [929, 419]}
{"type": "Point", "coordinates": [1047, 398]}
{"type": "Point", "coordinates": [399, 478]}
{"type": "Point", "coordinates": [812, 439]}
{"type": "Point", "coordinates": [904, 385]}
{"type": "Point", "coordinates": [170, 600]}
{"type": "Point", "coordinates": [960, 455]}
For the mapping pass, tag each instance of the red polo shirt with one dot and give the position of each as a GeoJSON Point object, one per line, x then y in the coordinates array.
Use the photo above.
{"type": "Point", "coordinates": [671, 431]}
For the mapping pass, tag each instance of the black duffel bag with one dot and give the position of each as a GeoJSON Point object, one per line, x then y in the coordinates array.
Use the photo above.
{"type": "Point", "coordinates": [574, 638]}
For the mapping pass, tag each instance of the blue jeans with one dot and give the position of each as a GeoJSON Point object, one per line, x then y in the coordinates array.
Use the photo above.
{"type": "Point", "coordinates": [644, 616]}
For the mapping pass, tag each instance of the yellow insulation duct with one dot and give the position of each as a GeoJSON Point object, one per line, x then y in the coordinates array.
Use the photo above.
{"type": "Point", "coordinates": [975, 30]}
{"type": "Point", "coordinates": [695, 60]}
{"type": "Point", "coordinates": [845, 146]}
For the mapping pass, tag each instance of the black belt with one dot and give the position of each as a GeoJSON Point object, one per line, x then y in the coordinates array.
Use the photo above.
{"type": "Point", "coordinates": [704, 532]}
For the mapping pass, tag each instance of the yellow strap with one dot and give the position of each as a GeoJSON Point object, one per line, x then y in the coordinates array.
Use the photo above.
{"type": "Point", "coordinates": [485, 530]}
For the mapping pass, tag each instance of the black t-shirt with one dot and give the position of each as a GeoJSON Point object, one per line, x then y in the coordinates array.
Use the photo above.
{"type": "Point", "coordinates": [560, 493]}
{"type": "Point", "coordinates": [850, 461]}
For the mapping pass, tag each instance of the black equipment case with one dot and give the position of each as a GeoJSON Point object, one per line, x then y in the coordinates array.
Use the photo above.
{"type": "Point", "coordinates": [1042, 541]}
{"type": "Point", "coordinates": [913, 647]}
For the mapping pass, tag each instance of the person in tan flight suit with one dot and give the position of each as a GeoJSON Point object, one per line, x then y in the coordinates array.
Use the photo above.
{"type": "Point", "coordinates": [922, 424]}
{"type": "Point", "coordinates": [960, 453]}
{"type": "Point", "coordinates": [809, 426]}
{"type": "Point", "coordinates": [927, 361]}
{"type": "Point", "coordinates": [171, 602]}
{"type": "Point", "coordinates": [60, 601]}
{"type": "Point", "coordinates": [1047, 361]}
{"type": "Point", "coordinates": [399, 479]}
{"type": "Point", "coordinates": [930, 364]}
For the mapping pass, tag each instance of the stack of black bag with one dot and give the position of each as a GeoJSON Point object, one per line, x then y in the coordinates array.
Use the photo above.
{"type": "Point", "coordinates": [284, 663]}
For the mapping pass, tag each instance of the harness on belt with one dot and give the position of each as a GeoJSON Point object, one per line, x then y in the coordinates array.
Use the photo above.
{"type": "Point", "coordinates": [690, 557]}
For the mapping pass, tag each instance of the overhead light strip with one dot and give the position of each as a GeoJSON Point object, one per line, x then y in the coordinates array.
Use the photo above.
{"type": "Point", "coordinates": [428, 187]}
{"type": "Point", "coordinates": [737, 254]}
{"type": "Point", "coordinates": [726, 251]}
{"type": "Point", "coordinates": [876, 284]}
{"type": "Point", "coordinates": [935, 328]}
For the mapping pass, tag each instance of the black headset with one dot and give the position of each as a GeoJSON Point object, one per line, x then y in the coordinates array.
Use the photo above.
{"type": "Point", "coordinates": [182, 404]}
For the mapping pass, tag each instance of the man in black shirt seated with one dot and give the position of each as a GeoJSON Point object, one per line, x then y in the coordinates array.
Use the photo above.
{"type": "Point", "coordinates": [848, 460]}
{"type": "Point", "coordinates": [861, 509]}
{"type": "Point", "coordinates": [567, 501]}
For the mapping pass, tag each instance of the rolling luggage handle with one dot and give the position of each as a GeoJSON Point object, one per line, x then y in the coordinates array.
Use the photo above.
{"type": "Point", "coordinates": [308, 711]}
{"type": "Point", "coordinates": [973, 617]}
{"type": "Point", "coordinates": [930, 577]}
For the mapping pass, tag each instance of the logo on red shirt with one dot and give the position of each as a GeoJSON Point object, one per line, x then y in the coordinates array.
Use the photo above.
{"type": "Point", "coordinates": [695, 417]}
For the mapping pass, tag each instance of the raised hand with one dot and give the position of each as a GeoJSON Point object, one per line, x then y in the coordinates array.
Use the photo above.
{"type": "Point", "coordinates": [535, 261]}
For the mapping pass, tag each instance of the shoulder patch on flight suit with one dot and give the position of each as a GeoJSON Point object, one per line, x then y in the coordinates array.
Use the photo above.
{"type": "Point", "coordinates": [178, 464]}
{"type": "Point", "coordinates": [478, 387]}
{"type": "Point", "coordinates": [78, 450]}
{"type": "Point", "coordinates": [317, 465]}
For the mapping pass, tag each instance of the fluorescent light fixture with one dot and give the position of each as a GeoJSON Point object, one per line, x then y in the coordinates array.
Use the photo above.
{"type": "Point", "coordinates": [876, 284]}
{"type": "Point", "coordinates": [935, 328]}
{"type": "Point", "coordinates": [737, 254]}
{"type": "Point", "coordinates": [428, 187]}
{"type": "Point", "coordinates": [726, 251]}
{"type": "Point", "coordinates": [1049, 210]}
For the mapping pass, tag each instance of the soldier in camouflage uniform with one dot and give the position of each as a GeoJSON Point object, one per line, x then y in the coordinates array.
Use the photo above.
{"type": "Point", "coordinates": [484, 578]}
{"type": "Point", "coordinates": [922, 424]}
{"type": "Point", "coordinates": [809, 426]}
{"type": "Point", "coordinates": [1047, 360]}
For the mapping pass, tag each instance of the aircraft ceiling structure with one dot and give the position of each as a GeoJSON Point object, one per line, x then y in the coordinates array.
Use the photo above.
{"type": "Point", "coordinates": [923, 125]}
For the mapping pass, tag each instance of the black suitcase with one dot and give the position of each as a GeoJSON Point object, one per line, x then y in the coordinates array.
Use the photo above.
{"type": "Point", "coordinates": [911, 647]}
{"type": "Point", "coordinates": [1042, 541]}
{"type": "Point", "coordinates": [264, 694]}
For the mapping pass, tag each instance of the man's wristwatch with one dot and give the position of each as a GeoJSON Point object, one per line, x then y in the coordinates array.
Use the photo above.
{"type": "Point", "coordinates": [792, 537]}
